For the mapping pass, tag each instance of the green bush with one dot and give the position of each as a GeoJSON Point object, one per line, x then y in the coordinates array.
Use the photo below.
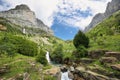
{"type": "Point", "coordinates": [28, 48]}
{"type": "Point", "coordinates": [57, 54]}
{"type": "Point", "coordinates": [9, 49]}
{"type": "Point", "coordinates": [41, 57]}
{"type": "Point", "coordinates": [23, 46]}
{"type": "Point", "coordinates": [81, 39]}
{"type": "Point", "coordinates": [80, 52]}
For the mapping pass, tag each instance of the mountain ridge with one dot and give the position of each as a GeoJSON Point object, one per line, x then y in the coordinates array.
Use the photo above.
{"type": "Point", "coordinates": [23, 16]}
{"type": "Point", "coordinates": [111, 8]}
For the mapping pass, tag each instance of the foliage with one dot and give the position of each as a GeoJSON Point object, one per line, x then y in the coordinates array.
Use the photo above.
{"type": "Point", "coordinates": [48, 77]}
{"type": "Point", "coordinates": [9, 49]}
{"type": "Point", "coordinates": [28, 48]}
{"type": "Point", "coordinates": [22, 45]}
{"type": "Point", "coordinates": [57, 54]}
{"type": "Point", "coordinates": [81, 39]}
{"type": "Point", "coordinates": [80, 52]}
{"type": "Point", "coordinates": [41, 57]}
{"type": "Point", "coordinates": [106, 34]}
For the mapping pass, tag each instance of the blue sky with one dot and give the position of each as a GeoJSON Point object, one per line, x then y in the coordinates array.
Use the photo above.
{"type": "Point", "coordinates": [65, 17]}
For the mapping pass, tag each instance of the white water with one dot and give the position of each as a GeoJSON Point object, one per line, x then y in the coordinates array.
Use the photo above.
{"type": "Point", "coordinates": [48, 57]}
{"type": "Point", "coordinates": [64, 76]}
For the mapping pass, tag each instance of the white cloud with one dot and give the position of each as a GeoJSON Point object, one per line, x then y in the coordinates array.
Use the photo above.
{"type": "Point", "coordinates": [47, 10]}
{"type": "Point", "coordinates": [44, 9]}
{"type": "Point", "coordinates": [77, 9]}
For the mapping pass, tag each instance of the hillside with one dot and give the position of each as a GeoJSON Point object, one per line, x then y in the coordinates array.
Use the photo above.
{"type": "Point", "coordinates": [106, 35]}
{"type": "Point", "coordinates": [111, 8]}
{"type": "Point", "coordinates": [15, 61]}
{"type": "Point", "coordinates": [23, 16]}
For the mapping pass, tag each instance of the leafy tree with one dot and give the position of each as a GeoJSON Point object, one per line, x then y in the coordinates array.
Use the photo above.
{"type": "Point", "coordinates": [57, 54]}
{"type": "Point", "coordinates": [41, 57]}
{"type": "Point", "coordinates": [81, 39]}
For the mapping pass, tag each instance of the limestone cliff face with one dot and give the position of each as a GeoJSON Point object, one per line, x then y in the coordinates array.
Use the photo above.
{"type": "Point", "coordinates": [112, 7]}
{"type": "Point", "coordinates": [23, 16]}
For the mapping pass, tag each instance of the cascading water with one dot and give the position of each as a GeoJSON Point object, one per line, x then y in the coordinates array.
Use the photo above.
{"type": "Point", "coordinates": [48, 57]}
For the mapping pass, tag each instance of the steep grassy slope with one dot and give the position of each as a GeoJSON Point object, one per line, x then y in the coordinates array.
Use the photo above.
{"type": "Point", "coordinates": [106, 35]}
{"type": "Point", "coordinates": [19, 64]}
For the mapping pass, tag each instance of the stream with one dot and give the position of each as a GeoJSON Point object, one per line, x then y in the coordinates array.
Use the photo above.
{"type": "Point", "coordinates": [64, 75]}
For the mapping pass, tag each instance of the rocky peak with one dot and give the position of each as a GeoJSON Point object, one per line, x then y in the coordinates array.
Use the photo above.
{"type": "Point", "coordinates": [22, 7]}
{"type": "Point", "coordinates": [23, 16]}
{"type": "Point", "coordinates": [112, 7]}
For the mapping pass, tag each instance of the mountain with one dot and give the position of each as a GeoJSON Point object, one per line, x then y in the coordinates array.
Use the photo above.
{"type": "Point", "coordinates": [22, 15]}
{"type": "Point", "coordinates": [112, 7]}
{"type": "Point", "coordinates": [106, 35]}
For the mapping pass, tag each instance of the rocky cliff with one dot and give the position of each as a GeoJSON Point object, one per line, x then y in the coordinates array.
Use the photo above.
{"type": "Point", "coordinates": [23, 16]}
{"type": "Point", "coordinates": [112, 7]}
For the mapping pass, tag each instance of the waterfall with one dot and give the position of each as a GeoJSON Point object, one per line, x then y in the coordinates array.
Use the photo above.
{"type": "Point", "coordinates": [48, 57]}
{"type": "Point", "coordinates": [64, 76]}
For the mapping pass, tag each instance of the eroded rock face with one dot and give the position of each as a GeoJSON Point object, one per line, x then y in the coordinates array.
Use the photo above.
{"type": "Point", "coordinates": [109, 60]}
{"type": "Point", "coordinates": [96, 54]}
{"type": "Point", "coordinates": [23, 16]}
{"type": "Point", "coordinates": [116, 67]}
{"type": "Point", "coordinates": [112, 7]}
{"type": "Point", "coordinates": [113, 54]}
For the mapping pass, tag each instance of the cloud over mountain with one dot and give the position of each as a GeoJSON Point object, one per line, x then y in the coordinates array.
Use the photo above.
{"type": "Point", "coordinates": [77, 13]}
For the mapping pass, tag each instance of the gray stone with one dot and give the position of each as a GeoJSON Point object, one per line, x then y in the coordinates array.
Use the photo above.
{"type": "Point", "coordinates": [109, 60]}
{"type": "Point", "coordinates": [23, 16]}
{"type": "Point", "coordinates": [112, 7]}
{"type": "Point", "coordinates": [116, 67]}
{"type": "Point", "coordinates": [113, 54]}
{"type": "Point", "coordinates": [96, 54]}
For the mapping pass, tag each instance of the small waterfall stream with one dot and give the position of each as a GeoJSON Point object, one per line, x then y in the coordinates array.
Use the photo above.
{"type": "Point", "coordinates": [64, 76]}
{"type": "Point", "coordinates": [48, 57]}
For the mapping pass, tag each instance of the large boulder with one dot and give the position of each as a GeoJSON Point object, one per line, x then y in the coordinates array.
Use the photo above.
{"type": "Point", "coordinates": [109, 60]}
{"type": "Point", "coordinates": [113, 54]}
{"type": "Point", "coordinates": [89, 75]}
{"type": "Point", "coordinates": [96, 54]}
{"type": "Point", "coordinates": [116, 67]}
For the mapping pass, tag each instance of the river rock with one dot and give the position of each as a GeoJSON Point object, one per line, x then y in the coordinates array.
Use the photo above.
{"type": "Point", "coordinates": [113, 54]}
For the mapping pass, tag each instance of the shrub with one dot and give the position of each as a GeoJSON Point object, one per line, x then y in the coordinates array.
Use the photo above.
{"type": "Point", "coordinates": [80, 52]}
{"type": "Point", "coordinates": [28, 48]}
{"type": "Point", "coordinates": [9, 49]}
{"type": "Point", "coordinates": [81, 39]}
{"type": "Point", "coordinates": [23, 46]}
{"type": "Point", "coordinates": [57, 54]}
{"type": "Point", "coordinates": [41, 57]}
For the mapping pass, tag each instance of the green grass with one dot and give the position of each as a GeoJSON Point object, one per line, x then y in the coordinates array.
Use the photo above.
{"type": "Point", "coordinates": [106, 35]}
{"type": "Point", "coordinates": [18, 65]}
